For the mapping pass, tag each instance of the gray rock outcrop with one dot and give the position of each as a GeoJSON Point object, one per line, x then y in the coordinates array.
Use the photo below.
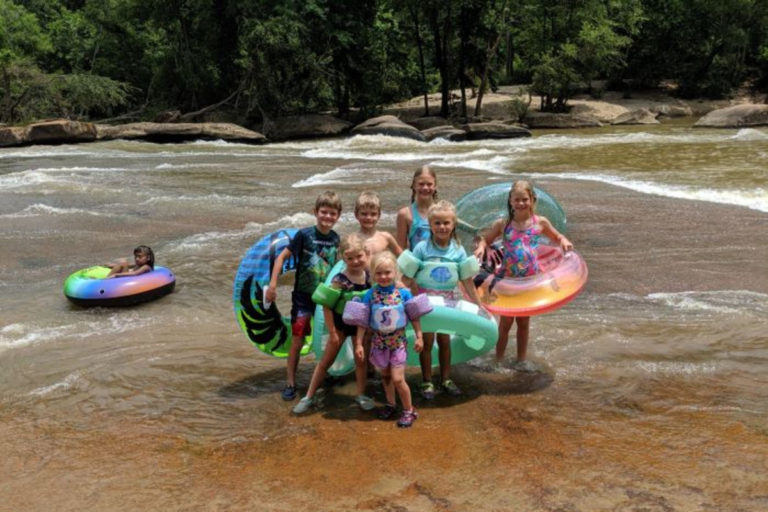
{"type": "Point", "coordinates": [180, 132]}
{"type": "Point", "coordinates": [446, 132]}
{"type": "Point", "coordinates": [738, 116]}
{"type": "Point", "coordinates": [495, 130]}
{"type": "Point", "coordinates": [56, 131]}
{"type": "Point", "coordinates": [387, 125]}
{"type": "Point", "coordinates": [535, 119]}
{"type": "Point", "coordinates": [639, 116]}
{"type": "Point", "coordinates": [306, 127]}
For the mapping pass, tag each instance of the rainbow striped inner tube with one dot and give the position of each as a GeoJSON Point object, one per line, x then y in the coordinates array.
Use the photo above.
{"type": "Point", "coordinates": [89, 287]}
{"type": "Point", "coordinates": [562, 277]}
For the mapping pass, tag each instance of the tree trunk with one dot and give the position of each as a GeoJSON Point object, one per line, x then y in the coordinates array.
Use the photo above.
{"type": "Point", "coordinates": [441, 55]}
{"type": "Point", "coordinates": [420, 47]}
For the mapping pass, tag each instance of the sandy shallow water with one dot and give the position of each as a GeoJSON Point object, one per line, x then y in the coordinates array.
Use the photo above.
{"type": "Point", "coordinates": [653, 411]}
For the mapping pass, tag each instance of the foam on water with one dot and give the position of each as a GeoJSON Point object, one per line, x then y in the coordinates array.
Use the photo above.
{"type": "Point", "coordinates": [728, 302]}
{"type": "Point", "coordinates": [494, 165]}
{"type": "Point", "coordinates": [755, 199]}
{"type": "Point", "coordinates": [203, 199]}
{"type": "Point", "coordinates": [69, 382]}
{"type": "Point", "coordinates": [750, 134]}
{"type": "Point", "coordinates": [185, 166]}
{"type": "Point", "coordinates": [19, 335]}
{"type": "Point", "coordinates": [40, 209]}
{"type": "Point", "coordinates": [203, 242]}
{"type": "Point", "coordinates": [353, 175]}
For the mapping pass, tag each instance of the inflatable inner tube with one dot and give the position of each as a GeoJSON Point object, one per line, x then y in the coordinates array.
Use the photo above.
{"type": "Point", "coordinates": [473, 333]}
{"type": "Point", "coordinates": [561, 279]}
{"type": "Point", "coordinates": [481, 207]}
{"type": "Point", "coordinates": [264, 326]}
{"type": "Point", "coordinates": [345, 360]}
{"type": "Point", "coordinates": [89, 287]}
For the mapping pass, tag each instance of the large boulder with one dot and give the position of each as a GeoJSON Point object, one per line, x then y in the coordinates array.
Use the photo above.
{"type": "Point", "coordinates": [60, 131]}
{"type": "Point", "coordinates": [306, 127]}
{"type": "Point", "coordinates": [446, 132]}
{"type": "Point", "coordinates": [605, 112]}
{"type": "Point", "coordinates": [535, 119]}
{"type": "Point", "coordinates": [738, 116]}
{"type": "Point", "coordinates": [13, 136]}
{"type": "Point", "coordinates": [425, 123]}
{"type": "Point", "coordinates": [639, 116]}
{"type": "Point", "coordinates": [667, 110]}
{"type": "Point", "coordinates": [495, 130]}
{"type": "Point", "coordinates": [387, 125]}
{"type": "Point", "coordinates": [56, 131]}
{"type": "Point", "coordinates": [180, 132]}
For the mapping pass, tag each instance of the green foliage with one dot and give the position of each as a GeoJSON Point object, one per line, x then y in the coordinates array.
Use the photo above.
{"type": "Point", "coordinates": [85, 58]}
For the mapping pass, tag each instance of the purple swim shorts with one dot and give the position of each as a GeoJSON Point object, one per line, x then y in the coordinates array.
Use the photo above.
{"type": "Point", "coordinates": [383, 358]}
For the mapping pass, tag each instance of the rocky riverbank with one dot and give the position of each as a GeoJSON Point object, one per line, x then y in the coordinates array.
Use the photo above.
{"type": "Point", "coordinates": [507, 113]}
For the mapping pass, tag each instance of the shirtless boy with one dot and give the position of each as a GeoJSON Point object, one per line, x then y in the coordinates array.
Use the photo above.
{"type": "Point", "coordinates": [367, 213]}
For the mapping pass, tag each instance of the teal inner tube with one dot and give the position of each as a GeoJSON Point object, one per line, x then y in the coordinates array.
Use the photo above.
{"type": "Point", "coordinates": [481, 207]}
{"type": "Point", "coordinates": [473, 332]}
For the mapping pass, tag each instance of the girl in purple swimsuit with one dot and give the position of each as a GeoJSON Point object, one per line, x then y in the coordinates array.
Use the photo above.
{"type": "Point", "coordinates": [520, 234]}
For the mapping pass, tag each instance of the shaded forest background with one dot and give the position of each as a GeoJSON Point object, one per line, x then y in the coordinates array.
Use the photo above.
{"type": "Point", "coordinates": [259, 59]}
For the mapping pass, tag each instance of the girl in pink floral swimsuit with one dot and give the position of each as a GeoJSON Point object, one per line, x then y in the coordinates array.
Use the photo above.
{"type": "Point", "coordinates": [520, 234]}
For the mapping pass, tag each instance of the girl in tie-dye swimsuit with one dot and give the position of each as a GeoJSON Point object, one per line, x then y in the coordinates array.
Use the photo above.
{"type": "Point", "coordinates": [519, 249]}
{"type": "Point", "coordinates": [520, 234]}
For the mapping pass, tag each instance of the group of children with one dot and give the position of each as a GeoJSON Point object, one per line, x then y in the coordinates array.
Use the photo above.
{"type": "Point", "coordinates": [427, 228]}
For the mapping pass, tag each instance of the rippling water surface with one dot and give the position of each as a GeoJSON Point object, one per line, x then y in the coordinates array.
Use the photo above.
{"type": "Point", "coordinates": [651, 393]}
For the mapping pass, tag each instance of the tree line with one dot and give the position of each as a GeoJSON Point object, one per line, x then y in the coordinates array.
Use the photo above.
{"type": "Point", "coordinates": [97, 59]}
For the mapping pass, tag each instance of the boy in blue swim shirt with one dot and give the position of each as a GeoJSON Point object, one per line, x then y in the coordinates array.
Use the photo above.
{"type": "Point", "coordinates": [315, 249]}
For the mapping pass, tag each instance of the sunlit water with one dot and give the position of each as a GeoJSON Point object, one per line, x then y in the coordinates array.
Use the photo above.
{"type": "Point", "coordinates": [651, 393]}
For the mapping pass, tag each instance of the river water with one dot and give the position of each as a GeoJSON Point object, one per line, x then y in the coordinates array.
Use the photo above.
{"type": "Point", "coordinates": [652, 391]}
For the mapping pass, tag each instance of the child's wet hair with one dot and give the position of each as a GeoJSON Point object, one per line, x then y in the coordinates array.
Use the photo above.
{"type": "Point", "coordinates": [444, 206]}
{"type": "Point", "coordinates": [525, 186]}
{"type": "Point", "coordinates": [328, 199]}
{"type": "Point", "coordinates": [425, 169]}
{"type": "Point", "coordinates": [352, 242]}
{"type": "Point", "coordinates": [368, 200]}
{"type": "Point", "coordinates": [383, 257]}
{"type": "Point", "coordinates": [145, 250]}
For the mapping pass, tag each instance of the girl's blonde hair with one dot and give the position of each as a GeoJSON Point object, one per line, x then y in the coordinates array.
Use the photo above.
{"type": "Point", "coordinates": [425, 169]}
{"type": "Point", "coordinates": [523, 186]}
{"type": "Point", "coordinates": [441, 207]}
{"type": "Point", "coordinates": [383, 257]}
{"type": "Point", "coordinates": [368, 199]}
{"type": "Point", "coordinates": [352, 242]}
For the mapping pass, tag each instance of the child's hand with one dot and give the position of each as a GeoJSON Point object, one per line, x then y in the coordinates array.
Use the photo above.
{"type": "Point", "coordinates": [418, 344]}
{"type": "Point", "coordinates": [270, 293]}
{"type": "Point", "coordinates": [565, 244]}
{"type": "Point", "coordinates": [359, 352]}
